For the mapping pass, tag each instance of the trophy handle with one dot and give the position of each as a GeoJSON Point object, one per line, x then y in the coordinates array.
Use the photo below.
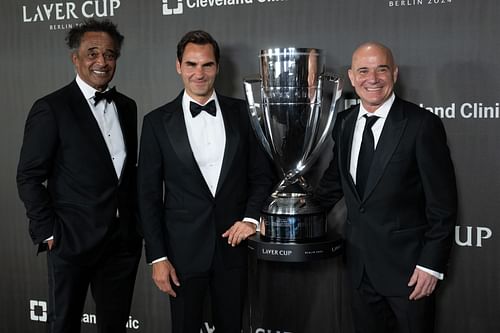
{"type": "Point", "coordinates": [256, 112]}
{"type": "Point", "coordinates": [332, 115]}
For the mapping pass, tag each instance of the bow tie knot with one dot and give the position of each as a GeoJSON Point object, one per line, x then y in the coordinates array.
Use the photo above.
{"type": "Point", "coordinates": [196, 109]}
{"type": "Point", "coordinates": [108, 95]}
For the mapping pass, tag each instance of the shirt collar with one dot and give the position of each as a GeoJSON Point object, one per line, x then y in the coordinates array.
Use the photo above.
{"type": "Point", "coordinates": [186, 99]}
{"type": "Point", "coordinates": [87, 90]}
{"type": "Point", "coordinates": [381, 112]}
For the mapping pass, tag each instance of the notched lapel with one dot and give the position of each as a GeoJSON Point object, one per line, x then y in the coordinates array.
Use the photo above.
{"type": "Point", "coordinates": [390, 137]}
{"type": "Point", "coordinates": [347, 133]}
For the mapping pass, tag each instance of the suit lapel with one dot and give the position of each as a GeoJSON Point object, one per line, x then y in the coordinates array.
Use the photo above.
{"type": "Point", "coordinates": [128, 130]}
{"type": "Point", "coordinates": [230, 117]}
{"type": "Point", "coordinates": [347, 133]}
{"type": "Point", "coordinates": [390, 137]}
{"type": "Point", "coordinates": [90, 128]}
{"type": "Point", "coordinates": [175, 127]}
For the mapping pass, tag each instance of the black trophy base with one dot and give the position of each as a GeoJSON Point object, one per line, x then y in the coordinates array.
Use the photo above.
{"type": "Point", "coordinates": [294, 252]}
{"type": "Point", "coordinates": [298, 297]}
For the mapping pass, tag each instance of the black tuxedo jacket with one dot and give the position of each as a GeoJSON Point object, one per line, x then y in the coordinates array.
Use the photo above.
{"type": "Point", "coordinates": [180, 217]}
{"type": "Point", "coordinates": [63, 146]}
{"type": "Point", "coordinates": [408, 214]}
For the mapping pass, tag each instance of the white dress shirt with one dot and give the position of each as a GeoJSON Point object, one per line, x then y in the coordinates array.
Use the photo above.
{"type": "Point", "coordinates": [107, 118]}
{"type": "Point", "coordinates": [207, 138]}
{"type": "Point", "coordinates": [382, 112]}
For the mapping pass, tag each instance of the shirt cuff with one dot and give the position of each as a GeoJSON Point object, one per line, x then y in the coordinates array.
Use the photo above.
{"type": "Point", "coordinates": [158, 260]}
{"type": "Point", "coordinates": [254, 221]}
{"type": "Point", "coordinates": [47, 240]}
{"type": "Point", "coordinates": [438, 275]}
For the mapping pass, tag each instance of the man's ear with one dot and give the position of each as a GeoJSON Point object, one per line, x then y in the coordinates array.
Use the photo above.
{"type": "Point", "coordinates": [350, 73]}
{"type": "Point", "coordinates": [73, 57]}
{"type": "Point", "coordinates": [178, 66]}
{"type": "Point", "coordinates": [395, 74]}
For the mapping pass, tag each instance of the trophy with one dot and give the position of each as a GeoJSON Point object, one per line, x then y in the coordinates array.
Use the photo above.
{"type": "Point", "coordinates": [292, 126]}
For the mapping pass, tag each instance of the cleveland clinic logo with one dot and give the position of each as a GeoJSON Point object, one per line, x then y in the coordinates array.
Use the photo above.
{"type": "Point", "coordinates": [176, 7]}
{"type": "Point", "coordinates": [38, 310]}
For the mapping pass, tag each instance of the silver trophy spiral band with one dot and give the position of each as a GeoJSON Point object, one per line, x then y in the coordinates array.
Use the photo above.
{"type": "Point", "coordinates": [292, 126]}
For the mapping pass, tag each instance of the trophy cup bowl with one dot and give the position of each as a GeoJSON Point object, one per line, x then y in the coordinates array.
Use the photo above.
{"type": "Point", "coordinates": [291, 124]}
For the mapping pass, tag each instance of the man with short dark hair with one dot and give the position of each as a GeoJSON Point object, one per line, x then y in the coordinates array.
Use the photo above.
{"type": "Point", "coordinates": [77, 179]}
{"type": "Point", "coordinates": [202, 182]}
{"type": "Point", "coordinates": [392, 164]}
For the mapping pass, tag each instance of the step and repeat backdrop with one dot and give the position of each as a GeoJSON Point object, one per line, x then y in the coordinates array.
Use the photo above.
{"type": "Point", "coordinates": [447, 52]}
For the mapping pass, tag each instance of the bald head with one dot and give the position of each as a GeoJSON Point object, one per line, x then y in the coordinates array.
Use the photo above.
{"type": "Point", "coordinates": [373, 73]}
{"type": "Point", "coordinates": [373, 47]}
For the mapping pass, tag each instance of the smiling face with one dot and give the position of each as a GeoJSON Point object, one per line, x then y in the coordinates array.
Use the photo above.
{"type": "Point", "coordinates": [198, 69]}
{"type": "Point", "coordinates": [95, 59]}
{"type": "Point", "coordinates": [373, 75]}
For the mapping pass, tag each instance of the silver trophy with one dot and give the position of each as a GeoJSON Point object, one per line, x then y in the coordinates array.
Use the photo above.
{"type": "Point", "coordinates": [292, 126]}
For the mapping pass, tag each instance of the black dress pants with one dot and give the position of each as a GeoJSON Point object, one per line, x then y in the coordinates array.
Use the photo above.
{"type": "Point", "coordinates": [111, 279]}
{"type": "Point", "coordinates": [227, 288]}
{"type": "Point", "coordinates": [375, 313]}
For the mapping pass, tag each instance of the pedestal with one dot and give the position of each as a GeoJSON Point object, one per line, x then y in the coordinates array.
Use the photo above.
{"type": "Point", "coordinates": [294, 288]}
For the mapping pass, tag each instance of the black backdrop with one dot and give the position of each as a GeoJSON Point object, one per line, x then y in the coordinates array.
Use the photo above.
{"type": "Point", "coordinates": [447, 51]}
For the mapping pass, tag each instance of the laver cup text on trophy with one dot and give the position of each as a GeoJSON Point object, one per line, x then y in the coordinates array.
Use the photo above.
{"type": "Point", "coordinates": [292, 126]}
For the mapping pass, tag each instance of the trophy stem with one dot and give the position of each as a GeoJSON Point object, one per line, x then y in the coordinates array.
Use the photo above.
{"type": "Point", "coordinates": [295, 186]}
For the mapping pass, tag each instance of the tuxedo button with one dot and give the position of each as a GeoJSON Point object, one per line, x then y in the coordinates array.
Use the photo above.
{"type": "Point", "coordinates": [362, 210]}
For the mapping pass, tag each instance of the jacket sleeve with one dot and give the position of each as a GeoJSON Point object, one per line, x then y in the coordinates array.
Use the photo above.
{"type": "Point", "coordinates": [35, 166]}
{"type": "Point", "coordinates": [261, 175]}
{"type": "Point", "coordinates": [150, 192]}
{"type": "Point", "coordinates": [438, 180]}
{"type": "Point", "coordinates": [329, 189]}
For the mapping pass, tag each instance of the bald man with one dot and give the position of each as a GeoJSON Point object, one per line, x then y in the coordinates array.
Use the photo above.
{"type": "Point", "coordinates": [392, 164]}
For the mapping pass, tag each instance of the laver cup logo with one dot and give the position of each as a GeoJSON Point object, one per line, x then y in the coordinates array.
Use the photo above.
{"type": "Point", "coordinates": [411, 3]}
{"type": "Point", "coordinates": [472, 236]}
{"type": "Point", "coordinates": [62, 11]}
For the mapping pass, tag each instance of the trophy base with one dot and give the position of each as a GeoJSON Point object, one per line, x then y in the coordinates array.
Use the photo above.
{"type": "Point", "coordinates": [328, 247]}
{"type": "Point", "coordinates": [299, 228]}
{"type": "Point", "coordinates": [292, 215]}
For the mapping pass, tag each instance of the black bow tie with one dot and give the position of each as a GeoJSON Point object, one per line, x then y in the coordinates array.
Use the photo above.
{"type": "Point", "coordinates": [108, 95]}
{"type": "Point", "coordinates": [209, 107]}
